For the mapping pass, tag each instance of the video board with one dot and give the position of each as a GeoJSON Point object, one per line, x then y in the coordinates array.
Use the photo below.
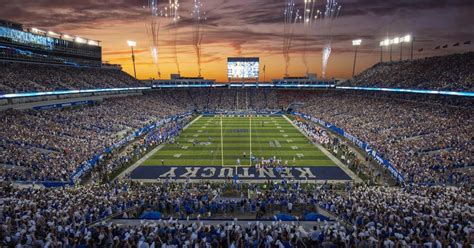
{"type": "Point", "coordinates": [242, 69]}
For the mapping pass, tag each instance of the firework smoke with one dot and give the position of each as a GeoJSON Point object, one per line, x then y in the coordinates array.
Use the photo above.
{"type": "Point", "coordinates": [292, 17]}
{"type": "Point", "coordinates": [198, 16]}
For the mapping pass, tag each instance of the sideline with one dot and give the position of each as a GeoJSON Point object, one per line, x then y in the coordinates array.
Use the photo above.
{"type": "Point", "coordinates": [250, 153]}
{"type": "Point", "coordinates": [341, 165]}
{"type": "Point", "coordinates": [222, 144]}
{"type": "Point", "coordinates": [150, 153]}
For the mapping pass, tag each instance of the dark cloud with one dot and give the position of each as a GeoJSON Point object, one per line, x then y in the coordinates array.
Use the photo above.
{"type": "Point", "coordinates": [248, 26]}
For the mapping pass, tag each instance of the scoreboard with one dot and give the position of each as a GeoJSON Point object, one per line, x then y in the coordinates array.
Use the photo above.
{"type": "Point", "coordinates": [243, 69]}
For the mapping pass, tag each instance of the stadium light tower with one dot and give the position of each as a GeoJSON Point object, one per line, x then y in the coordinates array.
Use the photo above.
{"type": "Point", "coordinates": [409, 39]}
{"type": "Point", "coordinates": [383, 43]}
{"type": "Point", "coordinates": [355, 43]}
{"type": "Point", "coordinates": [132, 44]}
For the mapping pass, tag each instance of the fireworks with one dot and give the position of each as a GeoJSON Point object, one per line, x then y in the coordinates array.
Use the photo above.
{"type": "Point", "coordinates": [330, 14]}
{"type": "Point", "coordinates": [153, 30]}
{"type": "Point", "coordinates": [310, 16]}
{"type": "Point", "coordinates": [292, 17]}
{"type": "Point", "coordinates": [198, 16]}
{"type": "Point", "coordinates": [173, 15]}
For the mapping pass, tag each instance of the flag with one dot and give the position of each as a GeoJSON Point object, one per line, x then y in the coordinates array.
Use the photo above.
{"type": "Point", "coordinates": [456, 44]}
{"type": "Point", "coordinates": [467, 42]}
{"type": "Point", "coordinates": [420, 50]}
{"type": "Point", "coordinates": [436, 48]}
{"type": "Point", "coordinates": [445, 46]}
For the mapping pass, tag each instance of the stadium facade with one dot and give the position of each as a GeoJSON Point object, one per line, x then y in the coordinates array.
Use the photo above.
{"type": "Point", "coordinates": [35, 45]}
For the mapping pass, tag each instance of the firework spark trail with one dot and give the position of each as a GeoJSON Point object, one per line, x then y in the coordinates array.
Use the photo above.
{"type": "Point", "coordinates": [310, 17]}
{"type": "Point", "coordinates": [292, 17]}
{"type": "Point", "coordinates": [330, 14]}
{"type": "Point", "coordinates": [153, 30]}
{"type": "Point", "coordinates": [198, 15]}
{"type": "Point", "coordinates": [173, 7]}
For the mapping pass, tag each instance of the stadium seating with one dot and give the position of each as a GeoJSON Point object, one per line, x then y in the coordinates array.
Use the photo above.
{"type": "Point", "coordinates": [374, 216]}
{"type": "Point", "coordinates": [451, 73]}
{"type": "Point", "coordinates": [428, 138]}
{"type": "Point", "coordinates": [417, 135]}
{"type": "Point", "coordinates": [27, 77]}
{"type": "Point", "coordinates": [50, 145]}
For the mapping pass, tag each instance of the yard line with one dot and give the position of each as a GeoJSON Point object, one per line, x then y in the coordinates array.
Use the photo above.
{"type": "Point", "coordinates": [250, 153]}
{"type": "Point", "coordinates": [222, 144]}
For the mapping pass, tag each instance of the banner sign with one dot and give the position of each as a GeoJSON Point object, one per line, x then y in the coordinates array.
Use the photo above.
{"type": "Point", "coordinates": [360, 143]}
{"type": "Point", "coordinates": [244, 113]}
{"type": "Point", "coordinates": [435, 92]}
{"type": "Point", "coordinates": [63, 105]}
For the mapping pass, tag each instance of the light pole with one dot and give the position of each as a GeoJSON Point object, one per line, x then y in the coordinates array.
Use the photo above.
{"type": "Point", "coordinates": [409, 39]}
{"type": "Point", "coordinates": [390, 51]}
{"type": "Point", "coordinates": [395, 41]}
{"type": "Point", "coordinates": [384, 43]}
{"type": "Point", "coordinates": [355, 43]}
{"type": "Point", "coordinates": [381, 52]}
{"type": "Point", "coordinates": [132, 44]}
{"type": "Point", "coordinates": [401, 50]}
{"type": "Point", "coordinates": [405, 39]}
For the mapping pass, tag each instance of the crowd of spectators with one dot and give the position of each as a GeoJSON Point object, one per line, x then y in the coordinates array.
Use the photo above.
{"type": "Point", "coordinates": [374, 216]}
{"type": "Point", "coordinates": [426, 141]}
{"type": "Point", "coordinates": [26, 77]}
{"type": "Point", "coordinates": [452, 72]}
{"type": "Point", "coordinates": [51, 144]}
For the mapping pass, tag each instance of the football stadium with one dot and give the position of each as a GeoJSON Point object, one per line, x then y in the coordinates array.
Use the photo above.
{"type": "Point", "coordinates": [251, 123]}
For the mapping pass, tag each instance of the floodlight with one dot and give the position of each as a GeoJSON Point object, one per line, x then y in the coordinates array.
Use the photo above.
{"type": "Point", "coordinates": [93, 43]}
{"type": "Point", "coordinates": [407, 38]}
{"type": "Point", "coordinates": [131, 43]}
{"type": "Point", "coordinates": [80, 40]}
{"type": "Point", "coordinates": [396, 40]}
{"type": "Point", "coordinates": [357, 42]}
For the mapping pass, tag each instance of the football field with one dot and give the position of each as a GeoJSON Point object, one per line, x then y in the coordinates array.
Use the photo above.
{"type": "Point", "coordinates": [220, 141]}
{"type": "Point", "coordinates": [217, 142]}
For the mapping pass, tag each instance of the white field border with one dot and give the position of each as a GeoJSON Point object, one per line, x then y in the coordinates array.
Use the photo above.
{"type": "Point", "coordinates": [222, 144]}
{"type": "Point", "coordinates": [150, 153]}
{"type": "Point", "coordinates": [250, 131]}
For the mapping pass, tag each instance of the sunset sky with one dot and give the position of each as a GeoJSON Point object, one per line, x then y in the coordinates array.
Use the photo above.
{"type": "Point", "coordinates": [251, 28]}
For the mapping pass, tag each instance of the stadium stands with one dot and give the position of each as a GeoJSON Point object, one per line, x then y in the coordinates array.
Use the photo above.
{"type": "Point", "coordinates": [50, 145]}
{"type": "Point", "coordinates": [428, 138]}
{"type": "Point", "coordinates": [426, 141]}
{"type": "Point", "coordinates": [373, 216]}
{"type": "Point", "coordinates": [27, 77]}
{"type": "Point", "coordinates": [451, 73]}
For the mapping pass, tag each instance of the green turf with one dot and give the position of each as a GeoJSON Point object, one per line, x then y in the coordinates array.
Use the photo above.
{"type": "Point", "coordinates": [229, 139]}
